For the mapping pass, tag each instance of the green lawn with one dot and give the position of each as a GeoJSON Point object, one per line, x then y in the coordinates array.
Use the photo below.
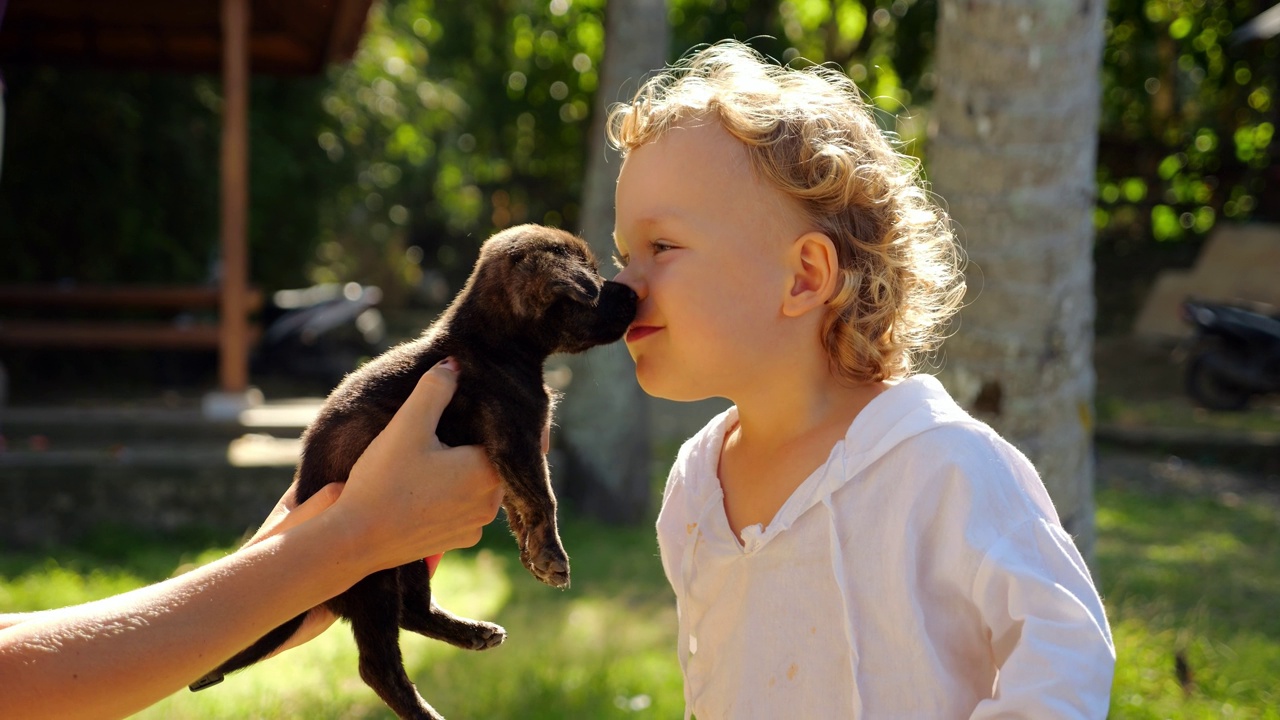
{"type": "Point", "coordinates": [1180, 574]}
{"type": "Point", "coordinates": [1199, 577]}
{"type": "Point", "coordinates": [603, 648]}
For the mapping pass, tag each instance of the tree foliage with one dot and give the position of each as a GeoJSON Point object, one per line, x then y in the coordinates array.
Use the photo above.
{"type": "Point", "coordinates": [113, 177]}
{"type": "Point", "coordinates": [455, 119]}
{"type": "Point", "coordinates": [458, 118]}
{"type": "Point", "coordinates": [1188, 119]}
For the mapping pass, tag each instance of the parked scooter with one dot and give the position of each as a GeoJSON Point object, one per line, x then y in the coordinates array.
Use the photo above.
{"type": "Point", "coordinates": [321, 332]}
{"type": "Point", "coordinates": [1234, 354]}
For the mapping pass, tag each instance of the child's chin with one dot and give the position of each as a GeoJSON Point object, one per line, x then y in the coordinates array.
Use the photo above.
{"type": "Point", "coordinates": [667, 390]}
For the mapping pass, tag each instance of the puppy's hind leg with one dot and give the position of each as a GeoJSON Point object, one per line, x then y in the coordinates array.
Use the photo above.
{"type": "Point", "coordinates": [374, 615]}
{"type": "Point", "coordinates": [420, 614]}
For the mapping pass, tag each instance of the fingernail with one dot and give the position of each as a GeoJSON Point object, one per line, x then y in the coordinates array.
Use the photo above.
{"type": "Point", "coordinates": [449, 364]}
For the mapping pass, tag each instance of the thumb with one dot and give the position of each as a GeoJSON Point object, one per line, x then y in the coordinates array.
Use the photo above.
{"type": "Point", "coordinates": [431, 396]}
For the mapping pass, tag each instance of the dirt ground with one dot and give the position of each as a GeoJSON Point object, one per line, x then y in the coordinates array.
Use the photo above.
{"type": "Point", "coordinates": [1161, 473]}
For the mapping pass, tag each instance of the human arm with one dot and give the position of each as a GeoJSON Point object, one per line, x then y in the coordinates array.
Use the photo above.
{"type": "Point", "coordinates": [286, 514]}
{"type": "Point", "coordinates": [1049, 632]}
{"type": "Point", "coordinates": [406, 498]}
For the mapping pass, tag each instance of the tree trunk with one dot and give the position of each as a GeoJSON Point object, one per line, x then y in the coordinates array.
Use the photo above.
{"type": "Point", "coordinates": [605, 417]}
{"type": "Point", "coordinates": [1013, 154]}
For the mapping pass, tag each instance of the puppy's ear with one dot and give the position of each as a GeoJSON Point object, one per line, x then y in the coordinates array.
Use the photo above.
{"type": "Point", "coordinates": [526, 292]}
{"type": "Point", "coordinates": [576, 285]}
{"type": "Point", "coordinates": [537, 280]}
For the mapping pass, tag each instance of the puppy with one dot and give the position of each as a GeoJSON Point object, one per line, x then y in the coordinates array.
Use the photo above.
{"type": "Point", "coordinates": [534, 291]}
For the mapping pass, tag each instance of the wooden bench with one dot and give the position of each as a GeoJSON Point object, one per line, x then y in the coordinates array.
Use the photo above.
{"type": "Point", "coordinates": [89, 303]}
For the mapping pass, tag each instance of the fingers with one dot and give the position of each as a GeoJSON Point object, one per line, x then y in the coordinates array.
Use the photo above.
{"type": "Point", "coordinates": [286, 516]}
{"type": "Point", "coordinates": [314, 505]}
{"type": "Point", "coordinates": [430, 397]}
{"type": "Point", "coordinates": [290, 498]}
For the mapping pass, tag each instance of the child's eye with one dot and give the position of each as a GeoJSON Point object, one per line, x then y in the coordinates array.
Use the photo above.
{"type": "Point", "coordinates": [661, 246]}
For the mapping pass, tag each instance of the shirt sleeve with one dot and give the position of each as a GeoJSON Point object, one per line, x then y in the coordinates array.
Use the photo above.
{"type": "Point", "coordinates": [1049, 635]}
{"type": "Point", "coordinates": [670, 524]}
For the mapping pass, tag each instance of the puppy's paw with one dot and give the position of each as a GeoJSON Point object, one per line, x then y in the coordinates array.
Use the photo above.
{"type": "Point", "coordinates": [550, 565]}
{"type": "Point", "coordinates": [487, 635]}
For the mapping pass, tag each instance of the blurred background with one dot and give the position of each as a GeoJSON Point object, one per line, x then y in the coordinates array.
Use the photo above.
{"type": "Point", "coordinates": [384, 141]}
{"type": "Point", "coordinates": [453, 121]}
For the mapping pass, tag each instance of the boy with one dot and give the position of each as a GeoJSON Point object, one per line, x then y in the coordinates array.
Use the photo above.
{"type": "Point", "coordinates": [845, 541]}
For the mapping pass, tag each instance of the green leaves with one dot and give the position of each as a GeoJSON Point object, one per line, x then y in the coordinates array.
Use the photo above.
{"type": "Point", "coordinates": [461, 118]}
{"type": "Point", "coordinates": [1185, 110]}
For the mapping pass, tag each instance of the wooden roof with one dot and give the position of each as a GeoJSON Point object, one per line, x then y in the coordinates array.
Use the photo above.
{"type": "Point", "coordinates": [286, 36]}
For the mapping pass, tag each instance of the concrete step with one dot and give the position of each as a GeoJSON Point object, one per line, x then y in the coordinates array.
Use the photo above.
{"type": "Point", "coordinates": [249, 450]}
{"type": "Point", "coordinates": [52, 497]}
{"type": "Point", "coordinates": [65, 472]}
{"type": "Point", "coordinates": [52, 426]}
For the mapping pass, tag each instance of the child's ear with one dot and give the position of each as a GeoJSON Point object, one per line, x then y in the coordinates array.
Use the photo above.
{"type": "Point", "coordinates": [815, 270]}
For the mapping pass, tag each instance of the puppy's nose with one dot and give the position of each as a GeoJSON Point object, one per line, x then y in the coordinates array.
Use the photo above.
{"type": "Point", "coordinates": [620, 297]}
{"type": "Point", "coordinates": [632, 279]}
{"type": "Point", "coordinates": [618, 291]}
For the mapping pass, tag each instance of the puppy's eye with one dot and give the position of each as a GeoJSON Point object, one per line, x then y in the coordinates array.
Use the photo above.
{"type": "Point", "coordinates": [620, 260]}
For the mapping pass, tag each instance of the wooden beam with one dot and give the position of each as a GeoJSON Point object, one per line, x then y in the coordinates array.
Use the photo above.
{"type": "Point", "coordinates": [161, 297]}
{"type": "Point", "coordinates": [196, 336]}
{"type": "Point", "coordinates": [233, 348]}
{"type": "Point", "coordinates": [345, 30]}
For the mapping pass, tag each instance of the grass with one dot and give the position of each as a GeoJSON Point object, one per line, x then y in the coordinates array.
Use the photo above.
{"type": "Point", "coordinates": [1181, 574]}
{"type": "Point", "coordinates": [604, 648]}
{"type": "Point", "coordinates": [1199, 577]}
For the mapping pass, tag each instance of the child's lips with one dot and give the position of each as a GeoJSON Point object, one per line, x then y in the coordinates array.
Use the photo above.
{"type": "Point", "coordinates": [638, 332]}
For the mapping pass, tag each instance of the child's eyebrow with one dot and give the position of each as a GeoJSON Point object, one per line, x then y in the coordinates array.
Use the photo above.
{"type": "Point", "coordinates": [661, 217]}
{"type": "Point", "coordinates": [663, 221]}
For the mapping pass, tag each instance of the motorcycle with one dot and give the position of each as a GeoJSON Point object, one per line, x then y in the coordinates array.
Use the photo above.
{"type": "Point", "coordinates": [321, 332]}
{"type": "Point", "coordinates": [1233, 354]}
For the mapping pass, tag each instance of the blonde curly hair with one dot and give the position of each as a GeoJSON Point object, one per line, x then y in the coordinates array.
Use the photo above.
{"type": "Point", "coordinates": [810, 134]}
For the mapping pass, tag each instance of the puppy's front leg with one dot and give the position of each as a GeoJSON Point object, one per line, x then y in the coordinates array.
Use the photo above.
{"type": "Point", "coordinates": [531, 505]}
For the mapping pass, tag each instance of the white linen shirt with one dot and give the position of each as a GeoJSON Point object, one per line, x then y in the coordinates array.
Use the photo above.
{"type": "Point", "coordinates": [921, 572]}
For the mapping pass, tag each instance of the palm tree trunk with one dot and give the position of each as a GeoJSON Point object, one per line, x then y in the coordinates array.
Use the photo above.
{"type": "Point", "coordinates": [605, 417]}
{"type": "Point", "coordinates": [1013, 154]}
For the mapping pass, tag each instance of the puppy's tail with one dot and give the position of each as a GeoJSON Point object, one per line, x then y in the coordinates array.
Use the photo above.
{"type": "Point", "coordinates": [250, 655]}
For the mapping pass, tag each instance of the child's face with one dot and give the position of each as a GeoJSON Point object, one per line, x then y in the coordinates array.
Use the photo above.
{"type": "Point", "coordinates": [705, 244]}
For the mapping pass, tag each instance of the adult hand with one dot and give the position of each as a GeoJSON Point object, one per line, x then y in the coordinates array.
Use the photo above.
{"type": "Point", "coordinates": [410, 496]}
{"type": "Point", "coordinates": [459, 491]}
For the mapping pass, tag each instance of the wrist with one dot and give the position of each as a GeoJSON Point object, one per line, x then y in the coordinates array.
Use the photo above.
{"type": "Point", "coordinates": [350, 549]}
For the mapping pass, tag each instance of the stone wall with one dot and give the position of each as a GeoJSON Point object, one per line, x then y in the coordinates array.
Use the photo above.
{"type": "Point", "coordinates": [62, 502]}
{"type": "Point", "coordinates": [1238, 264]}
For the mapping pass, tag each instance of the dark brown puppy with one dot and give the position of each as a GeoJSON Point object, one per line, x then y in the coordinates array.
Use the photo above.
{"type": "Point", "coordinates": [534, 291]}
